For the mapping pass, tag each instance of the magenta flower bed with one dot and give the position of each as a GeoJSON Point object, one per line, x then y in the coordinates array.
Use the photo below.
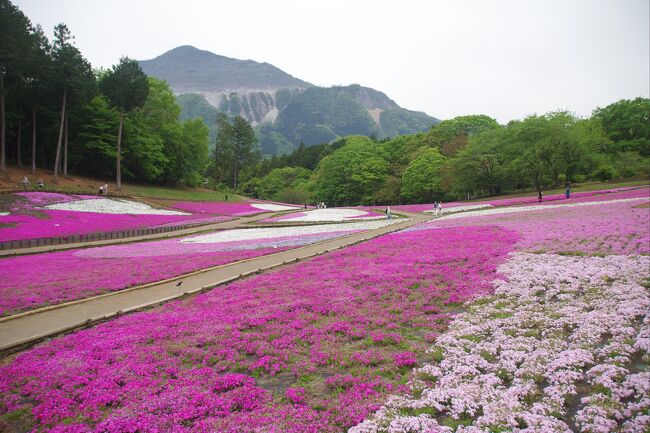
{"type": "Point", "coordinates": [230, 208]}
{"type": "Point", "coordinates": [27, 282]}
{"type": "Point", "coordinates": [528, 200]}
{"type": "Point", "coordinates": [53, 223]}
{"type": "Point", "coordinates": [610, 228]}
{"type": "Point", "coordinates": [30, 220]}
{"type": "Point", "coordinates": [315, 347]}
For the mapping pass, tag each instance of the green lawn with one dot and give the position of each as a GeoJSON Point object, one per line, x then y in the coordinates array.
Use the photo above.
{"type": "Point", "coordinates": [197, 194]}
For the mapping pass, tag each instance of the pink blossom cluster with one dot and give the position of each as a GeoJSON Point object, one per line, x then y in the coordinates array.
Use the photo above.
{"type": "Point", "coordinates": [555, 349]}
{"type": "Point", "coordinates": [28, 282]}
{"type": "Point", "coordinates": [29, 219]}
{"type": "Point", "coordinates": [313, 347]}
{"type": "Point", "coordinates": [532, 199]}
{"type": "Point", "coordinates": [229, 208]}
{"type": "Point", "coordinates": [616, 227]}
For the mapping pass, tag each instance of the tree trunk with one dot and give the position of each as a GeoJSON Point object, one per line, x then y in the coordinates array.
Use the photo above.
{"type": "Point", "coordinates": [119, 153]}
{"type": "Point", "coordinates": [57, 159]}
{"type": "Point", "coordinates": [34, 140]}
{"type": "Point", "coordinates": [65, 149]}
{"type": "Point", "coordinates": [3, 166]}
{"type": "Point", "coordinates": [235, 175]}
{"type": "Point", "coordinates": [18, 140]}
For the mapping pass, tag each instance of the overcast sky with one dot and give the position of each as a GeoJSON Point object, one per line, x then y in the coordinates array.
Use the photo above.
{"type": "Point", "coordinates": [503, 58]}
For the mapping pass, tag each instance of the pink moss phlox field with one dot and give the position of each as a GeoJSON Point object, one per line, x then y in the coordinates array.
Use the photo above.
{"type": "Point", "coordinates": [560, 347]}
{"type": "Point", "coordinates": [228, 208]}
{"type": "Point", "coordinates": [27, 282]}
{"type": "Point", "coordinates": [609, 228]}
{"type": "Point", "coordinates": [313, 347]}
{"type": "Point", "coordinates": [29, 219]}
{"type": "Point", "coordinates": [532, 199]}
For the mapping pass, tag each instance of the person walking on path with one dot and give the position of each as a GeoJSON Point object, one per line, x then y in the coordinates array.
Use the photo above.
{"type": "Point", "coordinates": [567, 191]}
{"type": "Point", "coordinates": [539, 196]}
{"type": "Point", "coordinates": [440, 207]}
{"type": "Point", "coordinates": [25, 182]}
{"type": "Point", "coordinates": [388, 213]}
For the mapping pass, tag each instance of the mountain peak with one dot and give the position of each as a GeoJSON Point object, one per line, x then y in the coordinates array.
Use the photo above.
{"type": "Point", "coordinates": [190, 69]}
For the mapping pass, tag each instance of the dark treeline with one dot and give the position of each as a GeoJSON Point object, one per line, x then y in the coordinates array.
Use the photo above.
{"type": "Point", "coordinates": [57, 113]}
{"type": "Point", "coordinates": [465, 156]}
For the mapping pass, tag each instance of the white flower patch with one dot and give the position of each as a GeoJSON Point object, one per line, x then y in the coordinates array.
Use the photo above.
{"type": "Point", "coordinates": [273, 207]}
{"type": "Point", "coordinates": [557, 340]}
{"type": "Point", "coordinates": [4, 213]}
{"type": "Point", "coordinates": [112, 206]}
{"type": "Point", "coordinates": [279, 232]}
{"type": "Point", "coordinates": [460, 208]}
{"type": "Point", "coordinates": [533, 208]}
{"type": "Point", "coordinates": [334, 214]}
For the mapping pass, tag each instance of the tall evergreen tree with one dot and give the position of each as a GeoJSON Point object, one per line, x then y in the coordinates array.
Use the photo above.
{"type": "Point", "coordinates": [15, 41]}
{"type": "Point", "coordinates": [126, 88]}
{"type": "Point", "coordinates": [73, 78]}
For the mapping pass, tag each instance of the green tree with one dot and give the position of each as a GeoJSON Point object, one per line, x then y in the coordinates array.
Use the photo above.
{"type": "Point", "coordinates": [480, 165]}
{"type": "Point", "coordinates": [15, 42]}
{"type": "Point", "coordinates": [97, 135]}
{"type": "Point", "coordinates": [126, 88]}
{"type": "Point", "coordinates": [222, 154]}
{"type": "Point", "coordinates": [36, 81]}
{"type": "Point", "coordinates": [74, 79]}
{"type": "Point", "coordinates": [627, 124]}
{"type": "Point", "coordinates": [529, 144]}
{"type": "Point", "coordinates": [281, 180]}
{"type": "Point", "coordinates": [352, 174]}
{"type": "Point", "coordinates": [445, 132]}
{"type": "Point", "coordinates": [195, 139]}
{"type": "Point", "coordinates": [422, 179]}
{"type": "Point", "coordinates": [243, 143]}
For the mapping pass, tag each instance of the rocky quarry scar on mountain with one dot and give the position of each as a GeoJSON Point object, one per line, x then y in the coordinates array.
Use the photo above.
{"type": "Point", "coordinates": [285, 110]}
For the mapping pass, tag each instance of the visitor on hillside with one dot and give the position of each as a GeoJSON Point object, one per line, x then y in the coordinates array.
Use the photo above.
{"type": "Point", "coordinates": [388, 213]}
{"type": "Point", "coordinates": [101, 190]}
{"type": "Point", "coordinates": [539, 196]}
{"type": "Point", "coordinates": [567, 191]}
{"type": "Point", "coordinates": [25, 182]}
{"type": "Point", "coordinates": [40, 184]}
{"type": "Point", "coordinates": [440, 207]}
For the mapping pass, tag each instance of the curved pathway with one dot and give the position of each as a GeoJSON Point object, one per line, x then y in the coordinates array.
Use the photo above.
{"type": "Point", "coordinates": [27, 328]}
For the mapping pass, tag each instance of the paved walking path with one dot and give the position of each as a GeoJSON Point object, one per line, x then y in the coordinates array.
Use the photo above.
{"type": "Point", "coordinates": [235, 223]}
{"type": "Point", "coordinates": [30, 327]}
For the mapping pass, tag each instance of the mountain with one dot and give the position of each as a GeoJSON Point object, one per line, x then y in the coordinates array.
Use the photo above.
{"type": "Point", "coordinates": [190, 70]}
{"type": "Point", "coordinates": [285, 110]}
